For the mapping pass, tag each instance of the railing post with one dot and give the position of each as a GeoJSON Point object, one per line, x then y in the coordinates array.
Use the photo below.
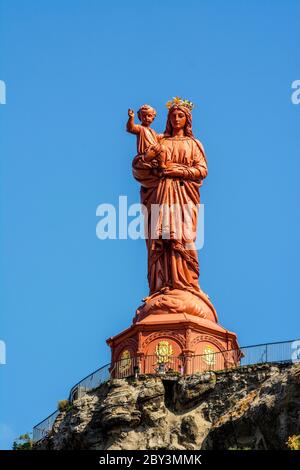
{"type": "Point", "coordinates": [140, 357]}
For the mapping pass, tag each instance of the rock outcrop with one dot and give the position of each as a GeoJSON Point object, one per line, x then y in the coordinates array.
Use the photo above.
{"type": "Point", "coordinates": [256, 407]}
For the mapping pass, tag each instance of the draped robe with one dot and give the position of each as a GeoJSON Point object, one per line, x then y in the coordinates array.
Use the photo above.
{"type": "Point", "coordinates": [172, 257]}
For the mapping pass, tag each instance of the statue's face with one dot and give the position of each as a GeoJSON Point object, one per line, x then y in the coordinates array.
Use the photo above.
{"type": "Point", "coordinates": [178, 119]}
{"type": "Point", "coordinates": [147, 117]}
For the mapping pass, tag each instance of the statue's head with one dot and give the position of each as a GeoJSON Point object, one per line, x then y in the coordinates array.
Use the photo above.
{"type": "Point", "coordinates": [146, 114]}
{"type": "Point", "coordinates": [179, 116]}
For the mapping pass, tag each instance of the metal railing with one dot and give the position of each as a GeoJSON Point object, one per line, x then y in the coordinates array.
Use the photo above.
{"type": "Point", "coordinates": [41, 430]}
{"type": "Point", "coordinates": [90, 382]}
{"type": "Point", "coordinates": [284, 351]}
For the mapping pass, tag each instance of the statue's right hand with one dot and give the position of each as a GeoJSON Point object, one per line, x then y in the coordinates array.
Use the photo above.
{"type": "Point", "coordinates": [152, 151]}
{"type": "Point", "coordinates": [150, 154]}
{"type": "Point", "coordinates": [130, 113]}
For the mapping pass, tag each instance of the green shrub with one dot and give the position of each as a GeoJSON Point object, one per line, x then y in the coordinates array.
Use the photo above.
{"type": "Point", "coordinates": [23, 442]}
{"type": "Point", "coordinates": [293, 442]}
{"type": "Point", "coordinates": [239, 448]}
{"type": "Point", "coordinates": [64, 405]}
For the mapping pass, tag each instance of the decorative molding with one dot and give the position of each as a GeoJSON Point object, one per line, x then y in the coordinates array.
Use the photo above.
{"type": "Point", "coordinates": [129, 343]}
{"type": "Point", "coordinates": [179, 338]}
{"type": "Point", "coordinates": [211, 339]}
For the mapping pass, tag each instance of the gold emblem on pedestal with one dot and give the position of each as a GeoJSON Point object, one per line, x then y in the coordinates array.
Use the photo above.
{"type": "Point", "coordinates": [209, 355]}
{"type": "Point", "coordinates": [163, 352]}
{"type": "Point", "coordinates": [125, 361]}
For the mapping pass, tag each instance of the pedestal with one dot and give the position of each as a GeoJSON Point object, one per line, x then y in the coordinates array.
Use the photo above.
{"type": "Point", "coordinates": [174, 331]}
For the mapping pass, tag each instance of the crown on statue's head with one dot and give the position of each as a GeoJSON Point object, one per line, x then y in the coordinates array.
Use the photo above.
{"type": "Point", "coordinates": [180, 102]}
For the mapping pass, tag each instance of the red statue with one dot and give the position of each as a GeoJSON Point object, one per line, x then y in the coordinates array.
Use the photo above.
{"type": "Point", "coordinates": [177, 316]}
{"type": "Point", "coordinates": [172, 262]}
{"type": "Point", "coordinates": [172, 181]}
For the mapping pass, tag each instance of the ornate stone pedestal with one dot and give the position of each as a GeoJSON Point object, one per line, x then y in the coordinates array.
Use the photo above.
{"type": "Point", "coordinates": [174, 330]}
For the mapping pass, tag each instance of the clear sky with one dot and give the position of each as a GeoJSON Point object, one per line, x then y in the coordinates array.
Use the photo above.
{"type": "Point", "coordinates": [72, 69]}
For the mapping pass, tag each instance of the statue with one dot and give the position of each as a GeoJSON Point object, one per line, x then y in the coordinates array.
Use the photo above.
{"type": "Point", "coordinates": [176, 328]}
{"type": "Point", "coordinates": [170, 168]}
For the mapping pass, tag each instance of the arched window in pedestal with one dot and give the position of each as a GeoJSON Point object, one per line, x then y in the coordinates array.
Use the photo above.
{"type": "Point", "coordinates": [163, 355]}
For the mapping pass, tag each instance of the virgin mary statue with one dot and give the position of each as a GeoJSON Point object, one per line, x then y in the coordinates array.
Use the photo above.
{"type": "Point", "coordinates": [170, 198]}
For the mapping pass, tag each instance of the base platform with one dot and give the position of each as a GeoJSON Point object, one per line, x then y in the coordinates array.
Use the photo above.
{"type": "Point", "coordinates": [174, 331]}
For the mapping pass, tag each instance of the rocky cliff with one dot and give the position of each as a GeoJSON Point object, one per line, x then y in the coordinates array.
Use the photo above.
{"type": "Point", "coordinates": [255, 407]}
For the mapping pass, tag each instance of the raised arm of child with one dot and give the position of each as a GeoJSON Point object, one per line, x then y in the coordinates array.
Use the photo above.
{"type": "Point", "coordinates": [131, 126]}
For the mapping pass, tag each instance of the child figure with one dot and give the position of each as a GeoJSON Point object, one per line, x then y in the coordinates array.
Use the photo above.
{"type": "Point", "coordinates": [147, 138]}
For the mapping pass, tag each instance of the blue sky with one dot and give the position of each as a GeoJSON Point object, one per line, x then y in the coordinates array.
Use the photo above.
{"type": "Point", "coordinates": [72, 68]}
